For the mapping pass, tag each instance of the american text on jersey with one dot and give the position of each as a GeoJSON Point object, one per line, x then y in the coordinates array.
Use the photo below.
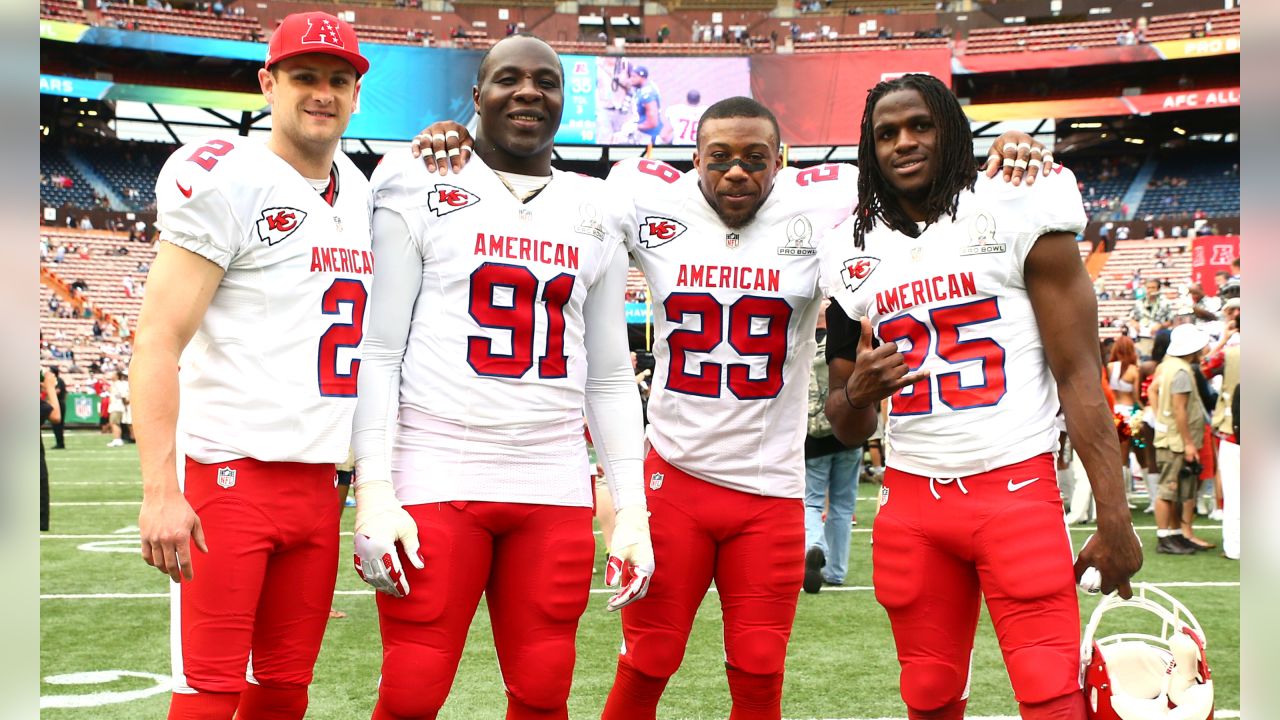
{"type": "Point", "coordinates": [529, 249]}
{"type": "Point", "coordinates": [919, 292]}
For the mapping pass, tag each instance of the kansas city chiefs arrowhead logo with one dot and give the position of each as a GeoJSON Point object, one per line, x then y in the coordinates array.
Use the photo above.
{"type": "Point", "coordinates": [855, 271]}
{"type": "Point", "coordinates": [278, 223]}
{"type": "Point", "coordinates": [444, 199]}
{"type": "Point", "coordinates": [655, 231]}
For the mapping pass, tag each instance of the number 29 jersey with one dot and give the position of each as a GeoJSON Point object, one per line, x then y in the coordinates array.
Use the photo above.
{"type": "Point", "coordinates": [734, 313]}
{"type": "Point", "coordinates": [271, 372]}
{"type": "Point", "coordinates": [955, 301]}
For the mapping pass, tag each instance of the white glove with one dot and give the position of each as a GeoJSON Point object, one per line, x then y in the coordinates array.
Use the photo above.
{"type": "Point", "coordinates": [380, 523]}
{"type": "Point", "coordinates": [630, 557]}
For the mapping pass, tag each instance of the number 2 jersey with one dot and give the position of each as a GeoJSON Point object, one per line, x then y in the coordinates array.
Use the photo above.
{"type": "Point", "coordinates": [487, 309]}
{"type": "Point", "coordinates": [955, 301]}
{"type": "Point", "coordinates": [271, 372]}
{"type": "Point", "coordinates": [734, 314]}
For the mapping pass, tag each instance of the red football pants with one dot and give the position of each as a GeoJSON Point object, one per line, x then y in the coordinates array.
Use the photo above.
{"type": "Point", "coordinates": [267, 581]}
{"type": "Point", "coordinates": [532, 562]}
{"type": "Point", "coordinates": [752, 546]}
{"type": "Point", "coordinates": [940, 544]}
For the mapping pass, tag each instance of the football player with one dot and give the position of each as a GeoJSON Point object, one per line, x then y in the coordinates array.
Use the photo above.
{"type": "Point", "coordinates": [258, 290]}
{"type": "Point", "coordinates": [497, 317]}
{"type": "Point", "coordinates": [728, 252]}
{"type": "Point", "coordinates": [985, 316]}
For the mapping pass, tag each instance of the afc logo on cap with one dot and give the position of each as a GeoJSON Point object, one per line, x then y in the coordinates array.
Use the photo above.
{"type": "Point", "coordinates": [325, 33]}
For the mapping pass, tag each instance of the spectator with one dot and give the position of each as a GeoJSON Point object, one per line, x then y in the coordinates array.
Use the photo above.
{"type": "Point", "coordinates": [60, 398]}
{"type": "Point", "coordinates": [49, 411]}
{"type": "Point", "coordinates": [85, 223]}
{"type": "Point", "coordinates": [120, 414]}
{"type": "Point", "coordinates": [1179, 436]}
{"type": "Point", "coordinates": [1200, 309]}
{"type": "Point", "coordinates": [831, 484]}
{"type": "Point", "coordinates": [1149, 314]}
{"type": "Point", "coordinates": [1225, 423]}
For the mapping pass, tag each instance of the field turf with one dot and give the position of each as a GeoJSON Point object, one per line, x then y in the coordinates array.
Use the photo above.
{"type": "Point", "coordinates": [105, 615]}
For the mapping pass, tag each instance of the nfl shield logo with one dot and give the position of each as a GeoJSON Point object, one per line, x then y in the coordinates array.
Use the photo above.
{"type": "Point", "coordinates": [226, 477]}
{"type": "Point", "coordinates": [732, 240]}
{"type": "Point", "coordinates": [655, 481]}
{"type": "Point", "coordinates": [884, 495]}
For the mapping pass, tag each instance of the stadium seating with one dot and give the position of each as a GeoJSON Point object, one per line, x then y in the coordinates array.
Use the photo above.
{"type": "Point", "coordinates": [1184, 184]}
{"type": "Point", "coordinates": [131, 168]}
{"type": "Point", "coordinates": [1104, 178]}
{"type": "Point", "coordinates": [183, 22]}
{"type": "Point", "coordinates": [53, 193]}
{"type": "Point", "coordinates": [64, 10]}
{"type": "Point", "coordinates": [855, 43]}
{"type": "Point", "coordinates": [104, 272]}
{"type": "Point", "coordinates": [1138, 255]}
{"type": "Point", "coordinates": [1096, 33]}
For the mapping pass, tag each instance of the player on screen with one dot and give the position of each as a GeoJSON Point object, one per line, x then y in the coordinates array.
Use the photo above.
{"type": "Point", "coordinates": [258, 291]}
{"type": "Point", "coordinates": [984, 313]}
{"type": "Point", "coordinates": [728, 251]}
{"type": "Point", "coordinates": [496, 319]}
{"type": "Point", "coordinates": [681, 126]}
{"type": "Point", "coordinates": [648, 104]}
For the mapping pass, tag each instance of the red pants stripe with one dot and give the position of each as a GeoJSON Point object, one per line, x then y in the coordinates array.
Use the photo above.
{"type": "Point", "coordinates": [939, 547]}
{"type": "Point", "coordinates": [533, 564]}
{"type": "Point", "coordinates": [267, 581]}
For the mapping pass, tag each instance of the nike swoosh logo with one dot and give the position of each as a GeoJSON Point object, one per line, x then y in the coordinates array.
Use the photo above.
{"type": "Point", "coordinates": [1014, 487]}
{"type": "Point", "coordinates": [186, 192]}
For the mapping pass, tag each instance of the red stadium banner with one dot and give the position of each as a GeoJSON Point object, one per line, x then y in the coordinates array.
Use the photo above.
{"type": "Point", "coordinates": [1187, 100]}
{"type": "Point", "coordinates": [1104, 106]}
{"type": "Point", "coordinates": [819, 97]}
{"type": "Point", "coordinates": [1044, 59]}
{"type": "Point", "coordinates": [1209, 254]}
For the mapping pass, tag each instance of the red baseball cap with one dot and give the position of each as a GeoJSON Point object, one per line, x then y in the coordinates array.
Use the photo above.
{"type": "Point", "coordinates": [316, 32]}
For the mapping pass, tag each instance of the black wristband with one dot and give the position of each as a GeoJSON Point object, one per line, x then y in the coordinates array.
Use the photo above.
{"type": "Point", "coordinates": [850, 400]}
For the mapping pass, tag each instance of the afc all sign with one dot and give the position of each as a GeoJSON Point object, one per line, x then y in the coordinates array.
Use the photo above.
{"type": "Point", "coordinates": [1204, 98]}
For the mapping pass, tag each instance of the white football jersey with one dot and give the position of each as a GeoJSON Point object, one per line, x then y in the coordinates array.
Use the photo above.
{"type": "Point", "coordinates": [955, 301]}
{"type": "Point", "coordinates": [492, 385]}
{"type": "Point", "coordinates": [734, 315]}
{"type": "Point", "coordinates": [271, 372]}
{"type": "Point", "coordinates": [683, 119]}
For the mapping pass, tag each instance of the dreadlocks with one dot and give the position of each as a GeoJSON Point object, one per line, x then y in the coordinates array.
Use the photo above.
{"type": "Point", "coordinates": [953, 162]}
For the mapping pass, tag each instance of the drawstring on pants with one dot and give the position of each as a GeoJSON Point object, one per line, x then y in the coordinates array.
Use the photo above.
{"type": "Point", "coordinates": [945, 481]}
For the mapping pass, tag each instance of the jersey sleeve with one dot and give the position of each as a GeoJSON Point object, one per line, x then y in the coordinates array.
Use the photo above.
{"type": "Point", "coordinates": [612, 403]}
{"type": "Point", "coordinates": [192, 211]}
{"type": "Point", "coordinates": [391, 306]}
{"type": "Point", "coordinates": [835, 247]}
{"type": "Point", "coordinates": [401, 183]}
{"type": "Point", "coordinates": [629, 179]}
{"type": "Point", "coordinates": [1053, 204]}
{"type": "Point", "coordinates": [843, 334]}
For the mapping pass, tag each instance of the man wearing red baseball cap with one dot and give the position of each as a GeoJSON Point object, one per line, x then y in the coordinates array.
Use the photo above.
{"type": "Point", "coordinates": [259, 286]}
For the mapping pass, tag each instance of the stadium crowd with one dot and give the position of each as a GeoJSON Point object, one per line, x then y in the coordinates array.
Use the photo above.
{"type": "Point", "coordinates": [1171, 378]}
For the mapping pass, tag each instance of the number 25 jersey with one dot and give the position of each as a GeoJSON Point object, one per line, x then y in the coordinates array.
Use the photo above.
{"type": "Point", "coordinates": [271, 372]}
{"type": "Point", "coordinates": [734, 313]}
{"type": "Point", "coordinates": [955, 301]}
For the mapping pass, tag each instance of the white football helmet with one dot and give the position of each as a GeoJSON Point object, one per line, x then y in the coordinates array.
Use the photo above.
{"type": "Point", "coordinates": [1142, 675]}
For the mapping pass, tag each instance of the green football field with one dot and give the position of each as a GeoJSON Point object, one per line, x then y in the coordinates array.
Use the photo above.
{"type": "Point", "coordinates": [105, 617]}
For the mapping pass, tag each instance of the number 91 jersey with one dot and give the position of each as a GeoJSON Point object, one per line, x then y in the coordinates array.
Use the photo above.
{"type": "Point", "coordinates": [734, 312]}
{"type": "Point", "coordinates": [271, 372]}
{"type": "Point", "coordinates": [497, 344]}
{"type": "Point", "coordinates": [955, 301]}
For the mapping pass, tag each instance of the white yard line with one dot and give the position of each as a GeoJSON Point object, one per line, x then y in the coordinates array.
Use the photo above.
{"type": "Point", "coordinates": [95, 503]}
